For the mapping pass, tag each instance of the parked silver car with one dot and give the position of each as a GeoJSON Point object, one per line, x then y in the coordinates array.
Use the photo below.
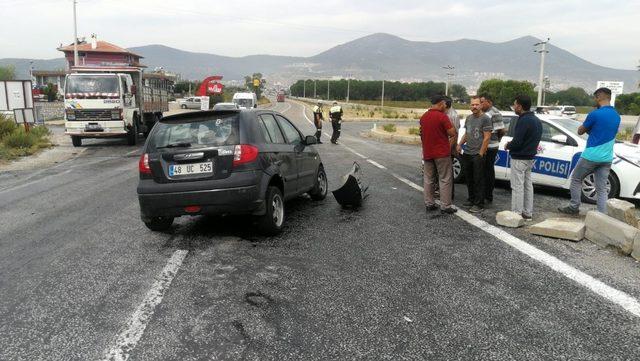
{"type": "Point", "coordinates": [190, 103]}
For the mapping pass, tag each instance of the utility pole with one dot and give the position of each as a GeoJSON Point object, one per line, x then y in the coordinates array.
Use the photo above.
{"type": "Point", "coordinates": [304, 88]}
{"type": "Point", "coordinates": [31, 72]}
{"type": "Point", "coordinates": [348, 86]}
{"type": "Point", "coordinates": [449, 75]}
{"type": "Point", "coordinates": [543, 50]}
{"type": "Point", "coordinates": [75, 35]}
{"type": "Point", "coordinates": [328, 82]}
{"type": "Point", "coordinates": [315, 96]}
{"type": "Point", "coordinates": [382, 106]}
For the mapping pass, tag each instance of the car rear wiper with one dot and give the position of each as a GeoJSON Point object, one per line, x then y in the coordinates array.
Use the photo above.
{"type": "Point", "coordinates": [176, 145]}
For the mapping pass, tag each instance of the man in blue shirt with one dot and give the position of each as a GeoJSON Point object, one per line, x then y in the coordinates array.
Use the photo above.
{"type": "Point", "coordinates": [602, 126]}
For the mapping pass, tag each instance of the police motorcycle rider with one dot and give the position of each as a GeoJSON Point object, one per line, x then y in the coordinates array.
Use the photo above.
{"type": "Point", "coordinates": [335, 113]}
{"type": "Point", "coordinates": [317, 120]}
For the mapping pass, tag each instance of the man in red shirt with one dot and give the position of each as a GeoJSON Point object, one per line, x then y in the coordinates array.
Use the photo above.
{"type": "Point", "coordinates": [436, 132]}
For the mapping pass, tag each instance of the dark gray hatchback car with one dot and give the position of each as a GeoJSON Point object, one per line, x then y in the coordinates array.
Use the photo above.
{"type": "Point", "coordinates": [227, 162]}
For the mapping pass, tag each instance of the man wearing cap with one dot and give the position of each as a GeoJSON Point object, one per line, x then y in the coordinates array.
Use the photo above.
{"type": "Point", "coordinates": [317, 120]}
{"type": "Point", "coordinates": [492, 151]}
{"type": "Point", "coordinates": [436, 132]}
{"type": "Point", "coordinates": [335, 113]}
{"type": "Point", "coordinates": [602, 126]}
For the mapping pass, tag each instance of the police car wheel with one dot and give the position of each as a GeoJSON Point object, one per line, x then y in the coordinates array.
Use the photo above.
{"type": "Point", "coordinates": [457, 170]}
{"type": "Point", "coordinates": [589, 194]}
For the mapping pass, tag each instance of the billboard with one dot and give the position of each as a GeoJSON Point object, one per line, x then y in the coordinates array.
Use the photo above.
{"type": "Point", "coordinates": [15, 94]}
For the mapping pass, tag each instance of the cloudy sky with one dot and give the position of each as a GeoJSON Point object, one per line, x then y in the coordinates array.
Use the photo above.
{"type": "Point", "coordinates": [605, 32]}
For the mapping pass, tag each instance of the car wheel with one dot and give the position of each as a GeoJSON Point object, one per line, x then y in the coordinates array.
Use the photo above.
{"type": "Point", "coordinates": [321, 188]}
{"type": "Point", "coordinates": [159, 224]}
{"type": "Point", "coordinates": [76, 141]}
{"type": "Point", "coordinates": [132, 136]}
{"type": "Point", "coordinates": [458, 177]}
{"type": "Point", "coordinates": [589, 194]}
{"type": "Point", "coordinates": [271, 222]}
{"type": "Point", "coordinates": [183, 106]}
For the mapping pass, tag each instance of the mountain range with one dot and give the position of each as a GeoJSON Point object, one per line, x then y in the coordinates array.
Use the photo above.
{"type": "Point", "coordinates": [384, 56]}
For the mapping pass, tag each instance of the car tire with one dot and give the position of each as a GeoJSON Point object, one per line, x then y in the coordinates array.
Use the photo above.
{"type": "Point", "coordinates": [183, 106]}
{"type": "Point", "coordinates": [76, 141]}
{"type": "Point", "coordinates": [458, 175]}
{"type": "Point", "coordinates": [270, 224]}
{"type": "Point", "coordinates": [132, 136]}
{"type": "Point", "coordinates": [321, 188]}
{"type": "Point", "coordinates": [159, 224]}
{"type": "Point", "coordinates": [588, 191]}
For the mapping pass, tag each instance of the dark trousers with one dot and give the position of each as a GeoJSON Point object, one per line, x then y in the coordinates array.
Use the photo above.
{"type": "Point", "coordinates": [336, 130]}
{"type": "Point", "coordinates": [318, 134]}
{"type": "Point", "coordinates": [473, 166]}
{"type": "Point", "coordinates": [490, 173]}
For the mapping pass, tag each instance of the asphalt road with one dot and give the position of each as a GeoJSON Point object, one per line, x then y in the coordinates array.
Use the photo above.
{"type": "Point", "coordinates": [82, 278]}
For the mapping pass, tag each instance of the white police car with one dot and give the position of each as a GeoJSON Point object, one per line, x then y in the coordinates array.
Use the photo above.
{"type": "Point", "coordinates": [558, 154]}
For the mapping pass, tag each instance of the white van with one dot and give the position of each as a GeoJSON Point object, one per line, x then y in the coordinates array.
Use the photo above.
{"type": "Point", "coordinates": [245, 100]}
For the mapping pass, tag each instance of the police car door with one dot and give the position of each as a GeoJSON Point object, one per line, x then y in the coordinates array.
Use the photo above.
{"type": "Point", "coordinates": [552, 165]}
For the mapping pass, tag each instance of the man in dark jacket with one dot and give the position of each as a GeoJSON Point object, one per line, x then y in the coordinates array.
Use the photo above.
{"type": "Point", "coordinates": [523, 149]}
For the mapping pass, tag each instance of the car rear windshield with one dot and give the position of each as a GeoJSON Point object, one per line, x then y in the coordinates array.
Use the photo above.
{"type": "Point", "coordinates": [218, 130]}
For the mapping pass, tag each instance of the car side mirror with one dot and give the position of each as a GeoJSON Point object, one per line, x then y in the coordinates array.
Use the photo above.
{"type": "Point", "coordinates": [310, 140]}
{"type": "Point", "coordinates": [560, 139]}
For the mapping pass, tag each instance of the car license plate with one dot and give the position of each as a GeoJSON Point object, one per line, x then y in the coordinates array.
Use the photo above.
{"type": "Point", "coordinates": [188, 169]}
{"type": "Point", "coordinates": [93, 127]}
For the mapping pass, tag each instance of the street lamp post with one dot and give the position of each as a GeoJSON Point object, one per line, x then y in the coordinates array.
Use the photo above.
{"type": "Point", "coordinates": [315, 96]}
{"type": "Point", "coordinates": [543, 50]}
{"type": "Point", "coordinates": [382, 105]}
{"type": "Point", "coordinates": [449, 75]}
{"type": "Point", "coordinates": [75, 35]}
{"type": "Point", "coordinates": [304, 88]}
{"type": "Point", "coordinates": [328, 83]}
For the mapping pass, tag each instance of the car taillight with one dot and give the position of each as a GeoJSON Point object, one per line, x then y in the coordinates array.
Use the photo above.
{"type": "Point", "coordinates": [143, 164]}
{"type": "Point", "coordinates": [244, 153]}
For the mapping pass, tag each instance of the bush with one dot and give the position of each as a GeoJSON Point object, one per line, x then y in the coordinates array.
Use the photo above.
{"type": "Point", "coordinates": [414, 131]}
{"type": "Point", "coordinates": [20, 139]}
{"type": "Point", "coordinates": [391, 128]}
{"type": "Point", "coordinates": [40, 131]}
{"type": "Point", "coordinates": [7, 126]}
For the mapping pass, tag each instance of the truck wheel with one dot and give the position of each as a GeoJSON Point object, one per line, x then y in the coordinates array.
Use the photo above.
{"type": "Point", "coordinates": [159, 224]}
{"type": "Point", "coordinates": [132, 136]}
{"type": "Point", "coordinates": [319, 191]}
{"type": "Point", "coordinates": [76, 141]}
{"type": "Point", "coordinates": [271, 223]}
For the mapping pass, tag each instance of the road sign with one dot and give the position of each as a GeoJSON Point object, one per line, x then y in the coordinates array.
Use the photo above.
{"type": "Point", "coordinates": [256, 82]}
{"type": "Point", "coordinates": [616, 87]}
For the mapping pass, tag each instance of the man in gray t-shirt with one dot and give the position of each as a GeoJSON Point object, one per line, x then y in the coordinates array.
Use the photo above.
{"type": "Point", "coordinates": [476, 137]}
{"type": "Point", "coordinates": [486, 102]}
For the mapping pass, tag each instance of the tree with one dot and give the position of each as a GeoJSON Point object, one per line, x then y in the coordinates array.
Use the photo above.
{"type": "Point", "coordinates": [372, 90]}
{"type": "Point", "coordinates": [504, 92]}
{"type": "Point", "coordinates": [628, 104]}
{"type": "Point", "coordinates": [459, 92]}
{"type": "Point", "coordinates": [51, 92]}
{"type": "Point", "coordinates": [7, 72]}
{"type": "Point", "coordinates": [572, 96]}
{"type": "Point", "coordinates": [183, 87]}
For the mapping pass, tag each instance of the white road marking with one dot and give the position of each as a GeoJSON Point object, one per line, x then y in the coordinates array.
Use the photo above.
{"type": "Point", "coordinates": [353, 151]}
{"type": "Point", "coordinates": [23, 185]}
{"type": "Point", "coordinates": [133, 151]}
{"type": "Point", "coordinates": [286, 110]}
{"type": "Point", "coordinates": [624, 300]}
{"type": "Point", "coordinates": [376, 164]}
{"type": "Point", "coordinates": [131, 335]}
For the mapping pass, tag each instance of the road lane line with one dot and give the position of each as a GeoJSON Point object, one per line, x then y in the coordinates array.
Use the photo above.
{"type": "Point", "coordinates": [376, 164]}
{"type": "Point", "coordinates": [131, 335]}
{"type": "Point", "coordinates": [353, 151]}
{"type": "Point", "coordinates": [23, 185]}
{"type": "Point", "coordinates": [624, 300]}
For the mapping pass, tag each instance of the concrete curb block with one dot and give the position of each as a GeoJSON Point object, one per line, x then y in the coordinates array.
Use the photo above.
{"type": "Point", "coordinates": [623, 211]}
{"type": "Point", "coordinates": [604, 231]}
{"type": "Point", "coordinates": [562, 228]}
{"type": "Point", "coordinates": [381, 135]}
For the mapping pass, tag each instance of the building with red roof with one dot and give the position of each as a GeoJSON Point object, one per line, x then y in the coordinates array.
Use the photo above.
{"type": "Point", "coordinates": [100, 53]}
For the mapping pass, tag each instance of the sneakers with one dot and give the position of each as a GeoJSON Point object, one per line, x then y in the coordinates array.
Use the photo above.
{"type": "Point", "coordinates": [431, 207]}
{"type": "Point", "coordinates": [527, 218]}
{"type": "Point", "coordinates": [467, 204]}
{"type": "Point", "coordinates": [568, 210]}
{"type": "Point", "coordinates": [449, 210]}
{"type": "Point", "coordinates": [476, 209]}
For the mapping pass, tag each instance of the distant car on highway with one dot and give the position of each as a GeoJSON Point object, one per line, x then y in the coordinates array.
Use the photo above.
{"type": "Point", "coordinates": [190, 103]}
{"type": "Point", "coordinates": [226, 106]}
{"type": "Point", "coordinates": [559, 152]}
{"type": "Point", "coordinates": [227, 162]}
{"type": "Point", "coordinates": [568, 111]}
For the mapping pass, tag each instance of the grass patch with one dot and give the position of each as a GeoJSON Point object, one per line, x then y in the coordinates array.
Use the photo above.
{"type": "Point", "coordinates": [16, 142]}
{"type": "Point", "coordinates": [625, 135]}
{"type": "Point", "coordinates": [414, 131]}
{"type": "Point", "coordinates": [390, 128]}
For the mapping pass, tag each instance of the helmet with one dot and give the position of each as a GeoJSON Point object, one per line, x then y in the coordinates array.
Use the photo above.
{"type": "Point", "coordinates": [335, 103]}
{"type": "Point", "coordinates": [319, 102]}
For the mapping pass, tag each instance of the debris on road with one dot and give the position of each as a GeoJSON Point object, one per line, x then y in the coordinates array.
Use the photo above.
{"type": "Point", "coordinates": [608, 231]}
{"type": "Point", "coordinates": [351, 193]}
{"type": "Point", "coordinates": [509, 219]}
{"type": "Point", "coordinates": [408, 319]}
{"type": "Point", "coordinates": [562, 228]}
{"type": "Point", "coordinates": [623, 211]}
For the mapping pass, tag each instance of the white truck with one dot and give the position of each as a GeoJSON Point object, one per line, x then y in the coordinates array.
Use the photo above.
{"type": "Point", "coordinates": [113, 102]}
{"type": "Point", "coordinates": [245, 100]}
